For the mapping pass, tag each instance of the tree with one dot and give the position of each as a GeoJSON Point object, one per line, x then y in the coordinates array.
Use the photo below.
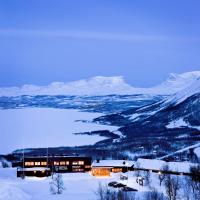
{"type": "Point", "coordinates": [147, 176]}
{"type": "Point", "coordinates": [162, 175]}
{"type": "Point", "coordinates": [172, 186]}
{"type": "Point", "coordinates": [187, 188]}
{"type": "Point", "coordinates": [154, 195]}
{"type": "Point", "coordinates": [105, 193]}
{"type": "Point", "coordinates": [57, 185]}
{"type": "Point", "coordinates": [137, 171]}
{"type": "Point", "coordinates": [195, 181]}
{"type": "Point", "coordinates": [4, 164]}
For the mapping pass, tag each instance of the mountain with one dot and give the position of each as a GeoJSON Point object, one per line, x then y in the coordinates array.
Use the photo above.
{"type": "Point", "coordinates": [160, 127]}
{"type": "Point", "coordinates": [100, 85]}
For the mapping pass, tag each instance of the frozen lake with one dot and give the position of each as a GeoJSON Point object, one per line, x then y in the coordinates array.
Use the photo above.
{"type": "Point", "coordinates": [42, 127]}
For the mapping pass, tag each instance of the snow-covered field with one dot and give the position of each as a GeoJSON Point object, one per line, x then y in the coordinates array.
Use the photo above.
{"type": "Point", "coordinates": [42, 127]}
{"type": "Point", "coordinates": [79, 186]}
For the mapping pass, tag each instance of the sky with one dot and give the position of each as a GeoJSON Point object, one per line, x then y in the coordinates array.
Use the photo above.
{"type": "Point", "coordinates": [66, 40]}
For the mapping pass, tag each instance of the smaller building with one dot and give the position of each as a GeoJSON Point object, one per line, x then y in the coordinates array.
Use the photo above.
{"type": "Point", "coordinates": [105, 167]}
{"type": "Point", "coordinates": [34, 171]}
{"type": "Point", "coordinates": [160, 166]}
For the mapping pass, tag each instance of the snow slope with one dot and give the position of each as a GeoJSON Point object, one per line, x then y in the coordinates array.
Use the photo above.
{"type": "Point", "coordinates": [193, 88]}
{"type": "Point", "coordinates": [100, 85]}
{"type": "Point", "coordinates": [42, 127]}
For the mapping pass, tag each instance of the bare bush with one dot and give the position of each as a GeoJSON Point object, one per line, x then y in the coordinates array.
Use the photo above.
{"type": "Point", "coordinates": [194, 181]}
{"type": "Point", "coordinates": [4, 164]}
{"type": "Point", "coordinates": [172, 186]}
{"type": "Point", "coordinates": [147, 176]}
{"type": "Point", "coordinates": [162, 175]}
{"type": "Point", "coordinates": [154, 195]}
{"type": "Point", "coordinates": [105, 193]}
{"type": "Point", "coordinates": [57, 185]}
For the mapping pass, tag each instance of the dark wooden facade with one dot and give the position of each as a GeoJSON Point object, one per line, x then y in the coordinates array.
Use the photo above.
{"type": "Point", "coordinates": [35, 171]}
{"type": "Point", "coordinates": [57, 163]}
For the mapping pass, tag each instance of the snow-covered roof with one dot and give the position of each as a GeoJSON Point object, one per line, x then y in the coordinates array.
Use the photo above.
{"type": "Point", "coordinates": [113, 163]}
{"type": "Point", "coordinates": [151, 164]}
{"type": "Point", "coordinates": [33, 169]}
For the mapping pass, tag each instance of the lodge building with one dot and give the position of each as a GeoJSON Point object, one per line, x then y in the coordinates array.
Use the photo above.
{"type": "Point", "coordinates": [60, 164]}
{"type": "Point", "coordinates": [105, 167]}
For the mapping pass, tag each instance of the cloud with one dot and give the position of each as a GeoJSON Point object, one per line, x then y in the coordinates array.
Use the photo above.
{"type": "Point", "coordinates": [81, 35]}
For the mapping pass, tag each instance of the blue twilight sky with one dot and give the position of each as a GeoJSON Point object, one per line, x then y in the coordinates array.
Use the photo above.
{"type": "Point", "coordinates": [42, 41]}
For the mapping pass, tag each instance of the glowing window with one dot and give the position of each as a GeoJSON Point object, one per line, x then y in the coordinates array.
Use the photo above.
{"type": "Point", "coordinates": [43, 163]}
{"type": "Point", "coordinates": [56, 163]}
{"type": "Point", "coordinates": [29, 163]}
{"type": "Point", "coordinates": [81, 162]}
{"type": "Point", "coordinates": [74, 163]}
{"type": "Point", "coordinates": [37, 163]}
{"type": "Point", "coordinates": [62, 162]}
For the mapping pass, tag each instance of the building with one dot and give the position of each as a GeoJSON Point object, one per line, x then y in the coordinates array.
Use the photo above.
{"type": "Point", "coordinates": [59, 164]}
{"type": "Point", "coordinates": [34, 171]}
{"type": "Point", "coordinates": [160, 166]}
{"type": "Point", "coordinates": [105, 167]}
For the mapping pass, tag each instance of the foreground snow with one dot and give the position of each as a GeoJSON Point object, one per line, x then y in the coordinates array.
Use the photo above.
{"type": "Point", "coordinates": [42, 127]}
{"type": "Point", "coordinates": [79, 186]}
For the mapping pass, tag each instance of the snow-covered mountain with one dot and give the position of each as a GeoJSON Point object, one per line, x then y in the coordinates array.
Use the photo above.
{"type": "Point", "coordinates": [104, 86]}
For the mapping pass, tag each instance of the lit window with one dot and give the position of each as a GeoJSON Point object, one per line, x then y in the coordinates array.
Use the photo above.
{"type": "Point", "coordinates": [29, 163]}
{"type": "Point", "coordinates": [67, 162]}
{"type": "Point", "coordinates": [37, 163]}
{"type": "Point", "coordinates": [43, 163]}
{"type": "Point", "coordinates": [62, 162]}
{"type": "Point", "coordinates": [116, 170]}
{"type": "Point", "coordinates": [56, 163]}
{"type": "Point", "coordinates": [75, 163]}
{"type": "Point", "coordinates": [81, 162]}
{"type": "Point", "coordinates": [77, 170]}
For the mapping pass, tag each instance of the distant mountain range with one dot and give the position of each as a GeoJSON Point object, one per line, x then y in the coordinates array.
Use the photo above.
{"type": "Point", "coordinates": [104, 86]}
{"type": "Point", "coordinates": [152, 121]}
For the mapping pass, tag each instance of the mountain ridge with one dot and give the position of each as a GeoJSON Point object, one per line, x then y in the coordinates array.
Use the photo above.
{"type": "Point", "coordinates": [100, 85]}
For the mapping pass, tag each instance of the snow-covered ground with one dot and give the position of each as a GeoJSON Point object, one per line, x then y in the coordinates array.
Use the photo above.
{"type": "Point", "coordinates": [42, 127]}
{"type": "Point", "coordinates": [79, 186]}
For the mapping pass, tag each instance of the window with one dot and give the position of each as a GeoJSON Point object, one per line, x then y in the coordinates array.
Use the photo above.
{"type": "Point", "coordinates": [37, 163]}
{"type": "Point", "coordinates": [67, 162]}
{"type": "Point", "coordinates": [78, 163]}
{"type": "Point", "coordinates": [29, 163]}
{"type": "Point", "coordinates": [81, 162]}
{"type": "Point", "coordinates": [87, 166]}
{"type": "Point", "coordinates": [116, 170]}
{"type": "Point", "coordinates": [77, 170]}
{"type": "Point", "coordinates": [44, 163]}
{"type": "Point", "coordinates": [56, 163]}
{"type": "Point", "coordinates": [62, 162]}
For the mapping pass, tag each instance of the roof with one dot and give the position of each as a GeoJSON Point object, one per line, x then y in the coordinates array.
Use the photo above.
{"type": "Point", "coordinates": [33, 169]}
{"type": "Point", "coordinates": [152, 164]}
{"type": "Point", "coordinates": [113, 163]}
